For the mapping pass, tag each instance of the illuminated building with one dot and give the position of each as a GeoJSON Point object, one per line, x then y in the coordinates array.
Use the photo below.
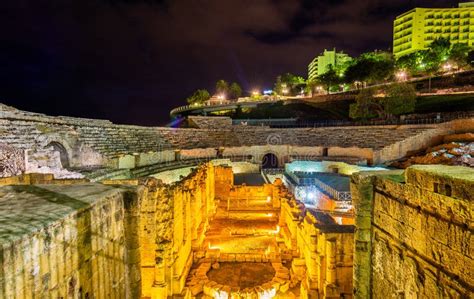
{"type": "Point", "coordinates": [321, 63]}
{"type": "Point", "coordinates": [416, 29]}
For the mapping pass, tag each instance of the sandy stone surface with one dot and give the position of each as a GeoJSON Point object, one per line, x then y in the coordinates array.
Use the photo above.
{"type": "Point", "coordinates": [26, 209]}
{"type": "Point", "coordinates": [242, 275]}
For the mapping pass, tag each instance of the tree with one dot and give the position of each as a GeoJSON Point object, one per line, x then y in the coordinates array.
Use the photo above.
{"type": "Point", "coordinates": [235, 91]}
{"type": "Point", "coordinates": [222, 87]}
{"type": "Point", "coordinates": [370, 67]}
{"type": "Point", "coordinates": [458, 55]}
{"type": "Point", "coordinates": [384, 102]}
{"type": "Point", "coordinates": [198, 97]}
{"type": "Point", "coordinates": [329, 79]}
{"type": "Point", "coordinates": [364, 105]}
{"type": "Point", "coordinates": [311, 86]}
{"type": "Point", "coordinates": [430, 64]}
{"type": "Point", "coordinates": [409, 63]}
{"type": "Point", "coordinates": [289, 84]}
{"type": "Point", "coordinates": [441, 47]}
{"type": "Point", "coordinates": [400, 99]}
{"type": "Point", "coordinates": [470, 58]}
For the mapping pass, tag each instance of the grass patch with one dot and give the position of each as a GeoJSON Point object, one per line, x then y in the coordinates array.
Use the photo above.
{"type": "Point", "coordinates": [305, 111]}
{"type": "Point", "coordinates": [339, 110]}
{"type": "Point", "coordinates": [444, 103]}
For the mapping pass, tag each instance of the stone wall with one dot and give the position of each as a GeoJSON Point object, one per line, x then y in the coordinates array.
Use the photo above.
{"type": "Point", "coordinates": [52, 143]}
{"type": "Point", "coordinates": [209, 122]}
{"type": "Point", "coordinates": [322, 250]}
{"type": "Point", "coordinates": [120, 239]}
{"type": "Point", "coordinates": [224, 180]}
{"type": "Point", "coordinates": [69, 241]}
{"type": "Point", "coordinates": [173, 220]}
{"type": "Point", "coordinates": [12, 161]}
{"type": "Point", "coordinates": [413, 236]}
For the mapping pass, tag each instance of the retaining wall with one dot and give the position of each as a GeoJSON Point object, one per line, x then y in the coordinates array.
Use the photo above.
{"type": "Point", "coordinates": [414, 233]}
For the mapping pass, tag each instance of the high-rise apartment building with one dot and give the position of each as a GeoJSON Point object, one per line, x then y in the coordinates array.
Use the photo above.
{"type": "Point", "coordinates": [419, 27]}
{"type": "Point", "coordinates": [321, 63]}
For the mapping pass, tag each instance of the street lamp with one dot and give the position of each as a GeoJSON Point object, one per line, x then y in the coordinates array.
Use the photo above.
{"type": "Point", "coordinates": [221, 96]}
{"type": "Point", "coordinates": [401, 75]}
{"type": "Point", "coordinates": [447, 67]}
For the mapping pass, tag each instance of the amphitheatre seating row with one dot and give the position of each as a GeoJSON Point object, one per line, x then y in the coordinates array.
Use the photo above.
{"type": "Point", "coordinates": [363, 137]}
{"type": "Point", "coordinates": [26, 130]}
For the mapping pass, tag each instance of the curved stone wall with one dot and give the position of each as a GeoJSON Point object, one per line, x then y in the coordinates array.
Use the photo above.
{"type": "Point", "coordinates": [98, 143]}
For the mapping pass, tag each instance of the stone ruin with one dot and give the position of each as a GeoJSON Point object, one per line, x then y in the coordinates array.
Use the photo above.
{"type": "Point", "coordinates": [81, 218]}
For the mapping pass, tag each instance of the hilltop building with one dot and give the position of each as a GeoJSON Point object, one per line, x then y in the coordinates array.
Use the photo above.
{"type": "Point", "coordinates": [416, 29]}
{"type": "Point", "coordinates": [321, 63]}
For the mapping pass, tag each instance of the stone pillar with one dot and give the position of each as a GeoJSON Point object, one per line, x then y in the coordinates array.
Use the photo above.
{"type": "Point", "coordinates": [362, 198]}
{"type": "Point", "coordinates": [331, 261]}
{"type": "Point", "coordinates": [159, 288]}
{"type": "Point", "coordinates": [177, 155]}
{"type": "Point", "coordinates": [132, 244]}
{"type": "Point", "coordinates": [219, 152]}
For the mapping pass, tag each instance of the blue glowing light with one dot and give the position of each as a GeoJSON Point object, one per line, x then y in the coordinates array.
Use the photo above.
{"type": "Point", "coordinates": [267, 91]}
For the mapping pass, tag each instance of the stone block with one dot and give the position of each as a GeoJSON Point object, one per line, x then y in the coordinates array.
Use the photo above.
{"type": "Point", "coordinates": [452, 181]}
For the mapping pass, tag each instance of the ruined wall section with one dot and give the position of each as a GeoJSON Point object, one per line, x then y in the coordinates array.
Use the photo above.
{"type": "Point", "coordinates": [173, 221]}
{"type": "Point", "coordinates": [88, 143]}
{"type": "Point", "coordinates": [209, 122]}
{"type": "Point", "coordinates": [414, 238]}
{"type": "Point", "coordinates": [81, 244]}
{"type": "Point", "coordinates": [12, 161]}
{"type": "Point", "coordinates": [126, 239]}
{"type": "Point", "coordinates": [322, 254]}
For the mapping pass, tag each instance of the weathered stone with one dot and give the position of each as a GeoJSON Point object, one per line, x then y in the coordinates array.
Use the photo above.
{"type": "Point", "coordinates": [414, 239]}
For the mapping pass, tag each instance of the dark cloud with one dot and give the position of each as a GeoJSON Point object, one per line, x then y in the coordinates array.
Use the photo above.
{"type": "Point", "coordinates": [133, 60]}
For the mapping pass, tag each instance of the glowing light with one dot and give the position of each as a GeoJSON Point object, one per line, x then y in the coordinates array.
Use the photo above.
{"type": "Point", "coordinates": [447, 67]}
{"type": "Point", "coordinates": [221, 294]}
{"type": "Point", "coordinates": [269, 214]}
{"type": "Point", "coordinates": [311, 195]}
{"type": "Point", "coordinates": [285, 90]}
{"type": "Point", "coordinates": [209, 246]}
{"type": "Point", "coordinates": [221, 97]}
{"type": "Point", "coordinates": [255, 92]}
{"type": "Point", "coordinates": [277, 229]}
{"type": "Point", "coordinates": [269, 198]}
{"type": "Point", "coordinates": [401, 75]}
{"type": "Point", "coordinates": [267, 91]}
{"type": "Point", "coordinates": [267, 251]}
{"type": "Point", "coordinates": [267, 294]}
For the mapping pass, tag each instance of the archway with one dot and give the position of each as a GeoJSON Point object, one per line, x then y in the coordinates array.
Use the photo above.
{"type": "Point", "coordinates": [63, 155]}
{"type": "Point", "coordinates": [269, 161]}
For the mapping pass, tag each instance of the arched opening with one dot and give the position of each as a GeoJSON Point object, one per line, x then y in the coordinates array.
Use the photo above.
{"type": "Point", "coordinates": [63, 156]}
{"type": "Point", "coordinates": [269, 161]}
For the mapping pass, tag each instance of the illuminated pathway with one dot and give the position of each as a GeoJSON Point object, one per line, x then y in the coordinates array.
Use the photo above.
{"type": "Point", "coordinates": [242, 256]}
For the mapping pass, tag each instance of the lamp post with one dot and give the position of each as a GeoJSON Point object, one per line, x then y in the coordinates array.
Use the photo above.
{"type": "Point", "coordinates": [401, 76]}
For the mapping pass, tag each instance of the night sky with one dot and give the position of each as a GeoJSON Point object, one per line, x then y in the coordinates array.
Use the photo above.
{"type": "Point", "coordinates": [132, 61]}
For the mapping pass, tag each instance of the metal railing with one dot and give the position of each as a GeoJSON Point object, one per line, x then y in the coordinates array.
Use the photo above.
{"type": "Point", "coordinates": [435, 119]}
{"type": "Point", "coordinates": [335, 194]}
{"type": "Point", "coordinates": [350, 91]}
{"type": "Point", "coordinates": [327, 189]}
